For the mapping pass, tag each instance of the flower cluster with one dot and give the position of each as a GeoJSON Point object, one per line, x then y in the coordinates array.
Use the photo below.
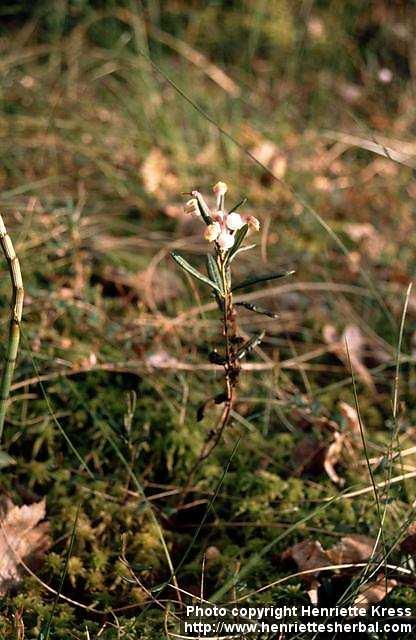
{"type": "Point", "coordinates": [221, 226]}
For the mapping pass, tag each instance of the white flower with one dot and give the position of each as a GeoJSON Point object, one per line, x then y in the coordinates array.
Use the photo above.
{"type": "Point", "coordinates": [218, 216]}
{"type": "Point", "coordinates": [212, 231]}
{"type": "Point", "coordinates": [225, 240]}
{"type": "Point", "coordinates": [253, 223]}
{"type": "Point", "coordinates": [192, 207]}
{"type": "Point", "coordinates": [234, 221]}
{"type": "Point", "coordinates": [220, 189]}
{"type": "Point", "coordinates": [221, 226]}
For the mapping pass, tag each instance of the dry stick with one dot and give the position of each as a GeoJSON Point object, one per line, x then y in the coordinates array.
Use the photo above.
{"type": "Point", "coordinates": [16, 307]}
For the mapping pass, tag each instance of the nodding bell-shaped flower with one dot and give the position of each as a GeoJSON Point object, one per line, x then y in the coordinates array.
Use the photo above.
{"type": "Point", "coordinates": [225, 240]}
{"type": "Point", "coordinates": [212, 231]}
{"type": "Point", "coordinates": [221, 226]}
{"type": "Point", "coordinates": [234, 221]}
{"type": "Point", "coordinates": [253, 223]}
{"type": "Point", "coordinates": [192, 207]}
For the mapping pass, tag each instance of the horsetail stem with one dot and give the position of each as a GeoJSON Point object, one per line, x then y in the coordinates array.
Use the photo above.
{"type": "Point", "coordinates": [16, 307]}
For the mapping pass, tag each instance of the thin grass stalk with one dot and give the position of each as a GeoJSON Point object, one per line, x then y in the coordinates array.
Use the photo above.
{"type": "Point", "coordinates": [16, 308]}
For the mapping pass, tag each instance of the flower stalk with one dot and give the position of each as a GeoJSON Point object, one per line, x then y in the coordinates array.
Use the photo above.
{"type": "Point", "coordinates": [227, 232]}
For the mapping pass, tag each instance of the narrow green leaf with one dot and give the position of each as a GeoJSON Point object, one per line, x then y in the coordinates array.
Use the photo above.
{"type": "Point", "coordinates": [214, 272]}
{"type": "Point", "coordinates": [239, 238]}
{"type": "Point", "coordinates": [263, 278]}
{"type": "Point", "coordinates": [249, 346]}
{"type": "Point", "coordinates": [203, 207]}
{"type": "Point", "coordinates": [192, 271]}
{"type": "Point", "coordinates": [238, 205]}
{"type": "Point", "coordinates": [256, 309]}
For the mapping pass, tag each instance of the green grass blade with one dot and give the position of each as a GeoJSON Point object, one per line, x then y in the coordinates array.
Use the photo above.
{"type": "Point", "coordinates": [44, 635]}
{"type": "Point", "coordinates": [263, 278]}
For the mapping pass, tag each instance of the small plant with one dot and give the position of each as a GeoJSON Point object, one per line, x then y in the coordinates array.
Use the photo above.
{"type": "Point", "coordinates": [227, 232]}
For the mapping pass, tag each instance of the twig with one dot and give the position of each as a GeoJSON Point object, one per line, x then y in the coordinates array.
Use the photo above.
{"type": "Point", "coordinates": [16, 307]}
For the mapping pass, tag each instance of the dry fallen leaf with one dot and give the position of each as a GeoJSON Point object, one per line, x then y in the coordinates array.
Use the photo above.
{"type": "Point", "coordinates": [156, 174]}
{"type": "Point", "coordinates": [351, 415]}
{"type": "Point", "coordinates": [353, 338]}
{"type": "Point", "coordinates": [265, 151]}
{"type": "Point", "coordinates": [23, 538]}
{"type": "Point", "coordinates": [269, 155]}
{"type": "Point", "coordinates": [308, 454]}
{"type": "Point", "coordinates": [314, 455]}
{"type": "Point", "coordinates": [352, 549]}
{"type": "Point", "coordinates": [374, 592]}
{"type": "Point", "coordinates": [332, 456]}
{"type": "Point", "coordinates": [372, 242]}
{"type": "Point", "coordinates": [308, 555]}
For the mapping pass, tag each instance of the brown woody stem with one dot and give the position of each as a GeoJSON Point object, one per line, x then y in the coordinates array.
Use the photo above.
{"type": "Point", "coordinates": [231, 369]}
